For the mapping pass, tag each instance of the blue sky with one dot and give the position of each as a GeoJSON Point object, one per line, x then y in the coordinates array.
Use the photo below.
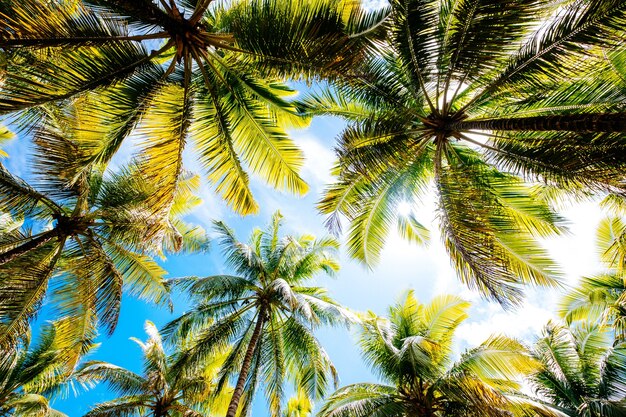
{"type": "Point", "coordinates": [425, 269]}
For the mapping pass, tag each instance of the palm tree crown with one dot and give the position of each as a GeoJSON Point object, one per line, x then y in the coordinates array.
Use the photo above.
{"type": "Point", "coordinates": [411, 351]}
{"type": "Point", "coordinates": [162, 391]}
{"type": "Point", "coordinates": [31, 375]}
{"type": "Point", "coordinates": [267, 311]}
{"type": "Point", "coordinates": [583, 375]}
{"type": "Point", "coordinates": [480, 96]}
{"type": "Point", "coordinates": [92, 233]}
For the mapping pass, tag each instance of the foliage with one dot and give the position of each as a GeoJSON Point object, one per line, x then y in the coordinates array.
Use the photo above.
{"type": "Point", "coordinates": [411, 352]}
{"type": "Point", "coordinates": [268, 313]}
{"type": "Point", "coordinates": [82, 236]}
{"type": "Point", "coordinates": [483, 98]}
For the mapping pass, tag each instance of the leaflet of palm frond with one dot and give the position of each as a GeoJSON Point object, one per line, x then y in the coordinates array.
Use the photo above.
{"type": "Point", "coordinates": [375, 207]}
{"type": "Point", "coordinates": [5, 135]}
{"type": "Point", "coordinates": [601, 94]}
{"type": "Point", "coordinates": [78, 309]}
{"type": "Point", "coordinates": [610, 241]}
{"type": "Point", "coordinates": [58, 172]}
{"type": "Point", "coordinates": [57, 24]}
{"type": "Point", "coordinates": [235, 131]}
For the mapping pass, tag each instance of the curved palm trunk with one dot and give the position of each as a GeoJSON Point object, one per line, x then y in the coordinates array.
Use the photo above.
{"type": "Point", "coordinates": [245, 367]}
{"type": "Point", "coordinates": [32, 244]}
{"type": "Point", "coordinates": [593, 122]}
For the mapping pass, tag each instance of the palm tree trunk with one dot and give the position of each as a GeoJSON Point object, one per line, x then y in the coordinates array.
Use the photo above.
{"type": "Point", "coordinates": [32, 244]}
{"type": "Point", "coordinates": [593, 122]}
{"type": "Point", "coordinates": [245, 367]}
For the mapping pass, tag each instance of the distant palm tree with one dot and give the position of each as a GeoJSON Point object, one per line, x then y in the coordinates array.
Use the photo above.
{"type": "Point", "coordinates": [483, 98]}
{"type": "Point", "coordinates": [267, 312]}
{"type": "Point", "coordinates": [200, 69]}
{"type": "Point", "coordinates": [411, 351]}
{"type": "Point", "coordinates": [31, 375]}
{"type": "Point", "coordinates": [602, 297]}
{"type": "Point", "coordinates": [583, 374]}
{"type": "Point", "coordinates": [84, 234]}
{"type": "Point", "coordinates": [161, 391]}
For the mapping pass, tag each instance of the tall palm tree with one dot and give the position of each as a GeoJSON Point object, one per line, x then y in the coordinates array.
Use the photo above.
{"type": "Point", "coordinates": [483, 98]}
{"type": "Point", "coordinates": [200, 69]}
{"type": "Point", "coordinates": [583, 375]}
{"type": "Point", "coordinates": [266, 311]}
{"type": "Point", "coordinates": [411, 351]}
{"type": "Point", "coordinates": [162, 391]}
{"type": "Point", "coordinates": [603, 296]}
{"type": "Point", "coordinates": [90, 233]}
{"type": "Point", "coordinates": [31, 375]}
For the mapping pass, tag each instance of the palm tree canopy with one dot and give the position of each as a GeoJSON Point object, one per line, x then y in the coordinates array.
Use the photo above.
{"type": "Point", "coordinates": [483, 98]}
{"type": "Point", "coordinates": [267, 311]}
{"type": "Point", "coordinates": [161, 390]}
{"type": "Point", "coordinates": [411, 350]}
{"type": "Point", "coordinates": [583, 373]}
{"type": "Point", "coordinates": [173, 71]}
{"type": "Point", "coordinates": [32, 374]}
{"type": "Point", "coordinates": [83, 236]}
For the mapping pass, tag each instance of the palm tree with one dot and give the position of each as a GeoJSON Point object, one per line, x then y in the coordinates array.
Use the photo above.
{"type": "Point", "coordinates": [85, 234]}
{"type": "Point", "coordinates": [161, 391]}
{"type": "Point", "coordinates": [30, 376]}
{"type": "Point", "coordinates": [482, 98]}
{"type": "Point", "coordinates": [268, 313]}
{"type": "Point", "coordinates": [603, 296]}
{"type": "Point", "coordinates": [583, 375]}
{"type": "Point", "coordinates": [203, 69]}
{"type": "Point", "coordinates": [411, 351]}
